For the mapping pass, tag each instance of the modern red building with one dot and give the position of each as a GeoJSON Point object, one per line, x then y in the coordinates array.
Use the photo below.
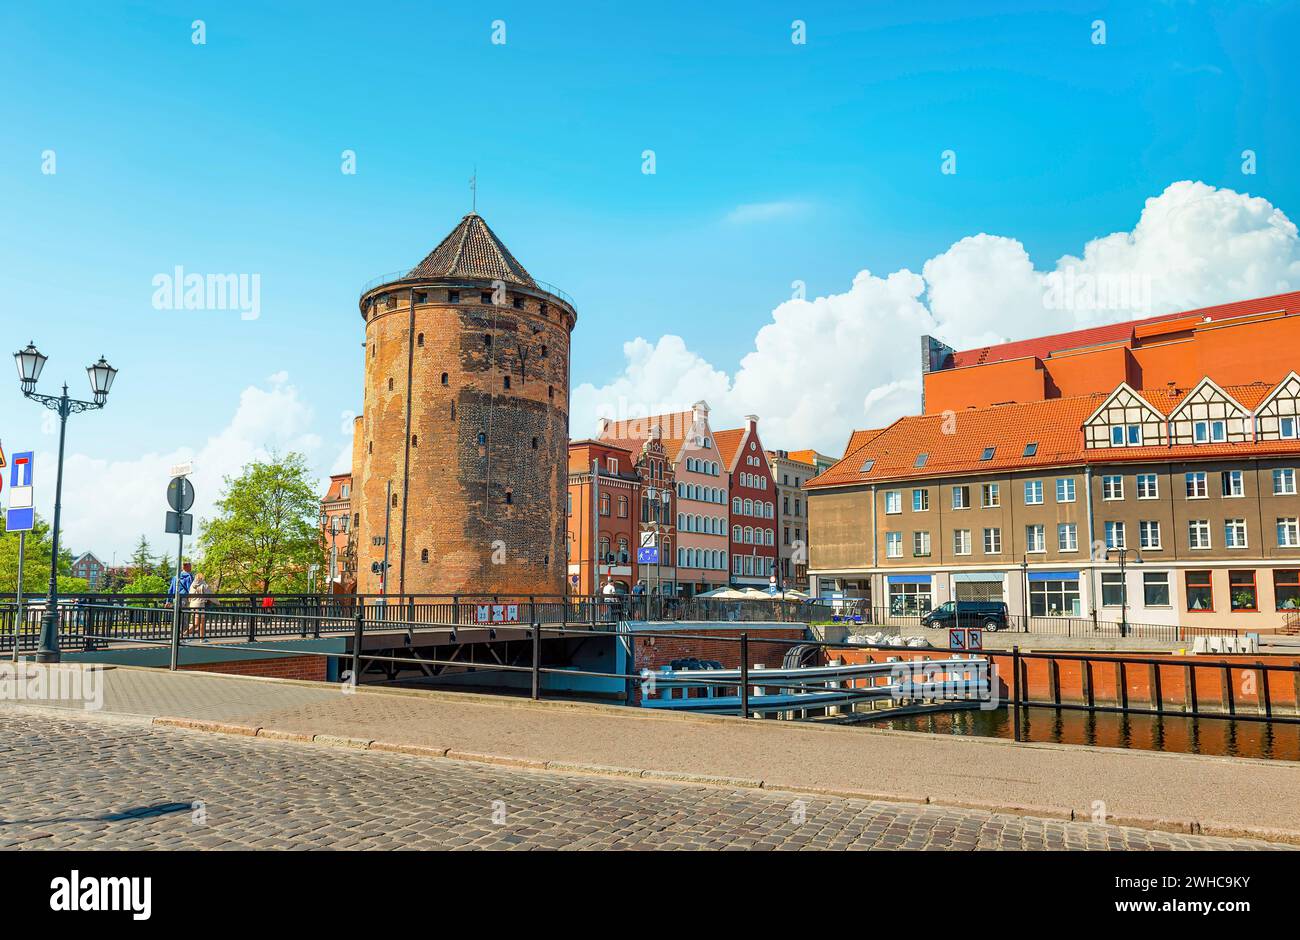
{"type": "Point", "coordinates": [753, 512]}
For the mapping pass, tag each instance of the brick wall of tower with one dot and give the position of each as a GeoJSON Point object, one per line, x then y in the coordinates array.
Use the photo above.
{"type": "Point", "coordinates": [490, 515]}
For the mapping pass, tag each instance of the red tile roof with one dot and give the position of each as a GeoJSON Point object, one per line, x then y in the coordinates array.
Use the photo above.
{"type": "Point", "coordinates": [1044, 346]}
{"type": "Point", "coordinates": [728, 443]}
{"type": "Point", "coordinates": [955, 443]}
{"type": "Point", "coordinates": [633, 433]}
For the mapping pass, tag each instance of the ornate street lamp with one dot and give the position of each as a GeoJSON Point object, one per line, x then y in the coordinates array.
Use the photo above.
{"type": "Point", "coordinates": [30, 363]}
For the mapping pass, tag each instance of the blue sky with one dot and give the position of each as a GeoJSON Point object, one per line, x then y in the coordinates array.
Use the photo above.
{"type": "Point", "coordinates": [225, 157]}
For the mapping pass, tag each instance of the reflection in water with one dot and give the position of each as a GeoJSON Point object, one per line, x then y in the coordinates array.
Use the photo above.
{"type": "Point", "coordinates": [1102, 729]}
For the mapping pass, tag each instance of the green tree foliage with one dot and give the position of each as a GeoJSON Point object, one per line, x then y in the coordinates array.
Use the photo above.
{"type": "Point", "coordinates": [146, 584]}
{"type": "Point", "coordinates": [36, 563]}
{"type": "Point", "coordinates": [266, 533]}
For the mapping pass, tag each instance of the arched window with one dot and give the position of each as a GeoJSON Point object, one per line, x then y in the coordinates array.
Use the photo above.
{"type": "Point", "coordinates": [735, 533]}
{"type": "Point", "coordinates": [419, 341]}
{"type": "Point", "coordinates": [735, 505]}
{"type": "Point", "coordinates": [749, 507]}
{"type": "Point", "coordinates": [424, 556]}
{"type": "Point", "coordinates": [444, 378]}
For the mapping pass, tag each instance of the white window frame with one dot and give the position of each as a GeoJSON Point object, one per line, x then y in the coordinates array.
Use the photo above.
{"type": "Point", "coordinates": [990, 496]}
{"type": "Point", "coordinates": [1067, 537]}
{"type": "Point", "coordinates": [961, 542]}
{"type": "Point", "coordinates": [1284, 481]}
{"type": "Point", "coordinates": [993, 536]}
{"type": "Point", "coordinates": [1233, 527]}
{"type": "Point", "coordinates": [893, 498]}
{"type": "Point", "coordinates": [1288, 532]}
{"type": "Point", "coordinates": [1197, 484]}
{"type": "Point", "coordinates": [1034, 487]}
{"type": "Point", "coordinates": [1115, 527]}
{"type": "Point", "coordinates": [1154, 480]}
{"type": "Point", "coordinates": [1146, 527]}
{"type": "Point", "coordinates": [1035, 535]}
{"type": "Point", "coordinates": [1199, 527]}
{"type": "Point", "coordinates": [1065, 490]}
{"type": "Point", "coordinates": [893, 540]}
{"type": "Point", "coordinates": [1112, 487]}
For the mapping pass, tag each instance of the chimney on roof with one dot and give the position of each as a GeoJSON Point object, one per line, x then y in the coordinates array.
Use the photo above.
{"type": "Point", "coordinates": [751, 422]}
{"type": "Point", "coordinates": [602, 425]}
{"type": "Point", "coordinates": [656, 432]}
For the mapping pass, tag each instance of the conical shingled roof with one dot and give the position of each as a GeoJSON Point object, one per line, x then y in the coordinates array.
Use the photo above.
{"type": "Point", "coordinates": [473, 251]}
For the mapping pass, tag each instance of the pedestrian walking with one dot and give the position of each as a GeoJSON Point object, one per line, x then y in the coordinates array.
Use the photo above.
{"type": "Point", "coordinates": [199, 600]}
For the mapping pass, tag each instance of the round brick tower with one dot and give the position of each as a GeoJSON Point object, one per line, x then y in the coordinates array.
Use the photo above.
{"type": "Point", "coordinates": [466, 415]}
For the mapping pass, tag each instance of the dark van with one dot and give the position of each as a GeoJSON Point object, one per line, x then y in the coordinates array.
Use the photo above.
{"type": "Point", "coordinates": [991, 615]}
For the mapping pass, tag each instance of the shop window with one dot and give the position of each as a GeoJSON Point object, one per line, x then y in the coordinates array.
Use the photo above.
{"type": "Point", "coordinates": [1155, 588]}
{"type": "Point", "coordinates": [1054, 598]}
{"type": "Point", "coordinates": [1241, 590]}
{"type": "Point", "coordinates": [1200, 592]}
{"type": "Point", "coordinates": [1286, 588]}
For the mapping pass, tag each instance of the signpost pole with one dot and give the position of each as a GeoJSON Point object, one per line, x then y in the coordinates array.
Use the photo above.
{"type": "Point", "coordinates": [176, 600]}
{"type": "Point", "coordinates": [18, 614]}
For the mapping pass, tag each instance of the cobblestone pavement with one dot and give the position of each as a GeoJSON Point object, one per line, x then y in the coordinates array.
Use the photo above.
{"type": "Point", "coordinates": [92, 783]}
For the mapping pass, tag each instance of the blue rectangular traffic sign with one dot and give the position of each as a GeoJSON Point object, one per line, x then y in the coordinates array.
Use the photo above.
{"type": "Point", "coordinates": [21, 516]}
{"type": "Point", "coordinates": [648, 555]}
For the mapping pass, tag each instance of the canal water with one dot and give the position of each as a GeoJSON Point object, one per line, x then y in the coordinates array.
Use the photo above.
{"type": "Point", "coordinates": [1143, 732]}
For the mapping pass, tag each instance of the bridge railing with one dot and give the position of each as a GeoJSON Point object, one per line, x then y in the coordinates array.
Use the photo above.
{"type": "Point", "coordinates": [917, 622]}
{"type": "Point", "coordinates": [1275, 696]}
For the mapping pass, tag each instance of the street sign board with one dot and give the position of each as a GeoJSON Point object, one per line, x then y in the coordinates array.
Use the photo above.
{"type": "Point", "coordinates": [21, 515]}
{"type": "Point", "coordinates": [648, 555]}
{"type": "Point", "coordinates": [974, 638]}
{"type": "Point", "coordinates": [180, 494]}
{"type": "Point", "coordinates": [957, 638]}
{"type": "Point", "coordinates": [180, 523]}
{"type": "Point", "coordinates": [182, 469]}
{"type": "Point", "coordinates": [647, 539]}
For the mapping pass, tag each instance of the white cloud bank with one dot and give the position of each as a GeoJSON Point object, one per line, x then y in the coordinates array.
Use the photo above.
{"type": "Point", "coordinates": [825, 366]}
{"type": "Point", "coordinates": [108, 505]}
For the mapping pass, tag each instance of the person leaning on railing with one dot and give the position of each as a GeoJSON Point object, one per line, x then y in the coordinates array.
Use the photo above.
{"type": "Point", "coordinates": [199, 600]}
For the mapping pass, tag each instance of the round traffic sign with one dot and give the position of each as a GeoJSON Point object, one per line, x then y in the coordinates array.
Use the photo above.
{"type": "Point", "coordinates": [180, 494]}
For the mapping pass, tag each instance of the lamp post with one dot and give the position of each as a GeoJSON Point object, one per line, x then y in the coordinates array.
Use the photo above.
{"type": "Point", "coordinates": [1024, 587]}
{"type": "Point", "coordinates": [1122, 554]}
{"type": "Point", "coordinates": [30, 363]}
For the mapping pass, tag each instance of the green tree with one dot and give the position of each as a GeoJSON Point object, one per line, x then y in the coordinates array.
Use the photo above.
{"type": "Point", "coordinates": [142, 557]}
{"type": "Point", "coordinates": [36, 563]}
{"type": "Point", "coordinates": [266, 534]}
{"type": "Point", "coordinates": [146, 584]}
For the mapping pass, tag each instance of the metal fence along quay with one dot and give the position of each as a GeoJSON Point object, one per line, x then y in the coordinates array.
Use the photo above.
{"type": "Point", "coordinates": [250, 623]}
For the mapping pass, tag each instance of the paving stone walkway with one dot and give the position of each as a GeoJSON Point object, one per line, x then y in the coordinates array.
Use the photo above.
{"type": "Point", "coordinates": [91, 783]}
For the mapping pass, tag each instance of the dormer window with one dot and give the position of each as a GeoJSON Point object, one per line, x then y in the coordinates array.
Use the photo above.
{"type": "Point", "coordinates": [920, 460]}
{"type": "Point", "coordinates": [988, 453]}
{"type": "Point", "coordinates": [1031, 449]}
{"type": "Point", "coordinates": [1209, 432]}
{"type": "Point", "coordinates": [1122, 435]}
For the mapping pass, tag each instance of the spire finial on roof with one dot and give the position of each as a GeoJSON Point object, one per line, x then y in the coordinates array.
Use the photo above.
{"type": "Point", "coordinates": [473, 192]}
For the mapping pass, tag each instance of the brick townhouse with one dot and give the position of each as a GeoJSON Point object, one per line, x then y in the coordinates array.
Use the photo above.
{"type": "Point", "coordinates": [699, 481]}
{"type": "Point", "coordinates": [752, 502]}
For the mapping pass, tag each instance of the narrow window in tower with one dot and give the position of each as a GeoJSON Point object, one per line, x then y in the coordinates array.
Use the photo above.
{"type": "Point", "coordinates": [510, 497]}
{"type": "Point", "coordinates": [394, 500]}
{"type": "Point", "coordinates": [487, 340]}
{"type": "Point", "coordinates": [444, 378]}
{"type": "Point", "coordinates": [415, 440]}
{"type": "Point", "coordinates": [505, 382]}
{"type": "Point", "coordinates": [550, 391]}
{"type": "Point", "coordinates": [518, 303]}
{"type": "Point", "coordinates": [370, 447]}
{"type": "Point", "coordinates": [485, 297]}
{"type": "Point", "coordinates": [482, 438]}
{"type": "Point", "coordinates": [390, 385]}
{"type": "Point", "coordinates": [424, 556]}
{"type": "Point", "coordinates": [534, 443]}
{"type": "Point", "coordinates": [419, 340]}
{"type": "Point", "coordinates": [546, 560]}
{"type": "Point", "coordinates": [544, 309]}
{"type": "Point", "coordinates": [544, 352]}
{"type": "Point", "coordinates": [373, 348]}
{"type": "Point", "coordinates": [453, 296]}
{"type": "Point", "coordinates": [421, 297]}
{"type": "Point", "coordinates": [453, 411]}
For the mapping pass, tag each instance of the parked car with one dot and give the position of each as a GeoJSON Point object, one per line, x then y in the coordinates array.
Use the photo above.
{"type": "Point", "coordinates": [991, 615]}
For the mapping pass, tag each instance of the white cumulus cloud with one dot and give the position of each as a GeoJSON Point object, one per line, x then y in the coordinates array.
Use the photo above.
{"type": "Point", "coordinates": [824, 366]}
{"type": "Point", "coordinates": [109, 504]}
